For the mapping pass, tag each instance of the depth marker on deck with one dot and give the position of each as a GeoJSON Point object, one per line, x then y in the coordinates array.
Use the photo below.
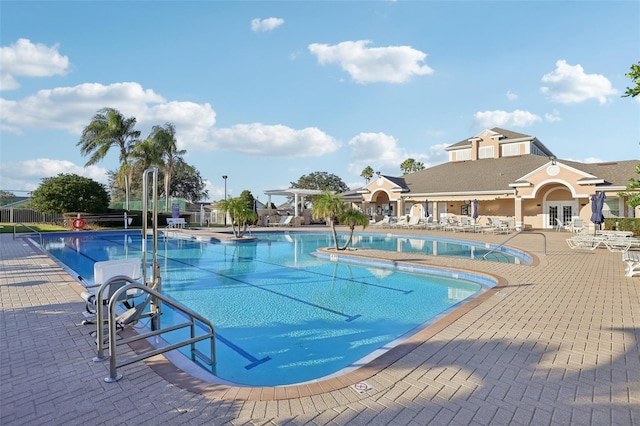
{"type": "Point", "coordinates": [362, 387]}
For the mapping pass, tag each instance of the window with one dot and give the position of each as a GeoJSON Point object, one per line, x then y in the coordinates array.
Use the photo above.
{"type": "Point", "coordinates": [511, 149]}
{"type": "Point", "coordinates": [485, 152]}
{"type": "Point", "coordinates": [463, 154]}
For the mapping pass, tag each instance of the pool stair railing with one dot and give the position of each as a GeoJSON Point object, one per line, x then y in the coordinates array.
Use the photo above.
{"type": "Point", "coordinates": [544, 237]}
{"type": "Point", "coordinates": [115, 324]}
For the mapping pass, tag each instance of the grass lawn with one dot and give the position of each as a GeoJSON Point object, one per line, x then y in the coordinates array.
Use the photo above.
{"type": "Point", "coordinates": [7, 228]}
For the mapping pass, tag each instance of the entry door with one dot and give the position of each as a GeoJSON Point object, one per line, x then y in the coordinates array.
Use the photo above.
{"type": "Point", "coordinates": [562, 211]}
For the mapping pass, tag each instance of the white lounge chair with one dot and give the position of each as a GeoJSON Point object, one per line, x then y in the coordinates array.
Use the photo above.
{"type": "Point", "coordinates": [412, 222]}
{"type": "Point", "coordinates": [586, 242]}
{"type": "Point", "coordinates": [622, 244]}
{"type": "Point", "coordinates": [284, 221]}
{"type": "Point", "coordinates": [384, 221]}
{"type": "Point", "coordinates": [632, 260]}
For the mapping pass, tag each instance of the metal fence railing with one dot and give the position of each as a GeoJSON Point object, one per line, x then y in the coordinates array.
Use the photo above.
{"type": "Point", "coordinates": [14, 215]}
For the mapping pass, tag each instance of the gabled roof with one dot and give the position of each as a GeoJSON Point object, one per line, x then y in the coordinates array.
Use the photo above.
{"type": "Point", "coordinates": [399, 181]}
{"type": "Point", "coordinates": [496, 174]}
{"type": "Point", "coordinates": [614, 173]}
{"type": "Point", "coordinates": [505, 136]}
{"type": "Point", "coordinates": [490, 174]}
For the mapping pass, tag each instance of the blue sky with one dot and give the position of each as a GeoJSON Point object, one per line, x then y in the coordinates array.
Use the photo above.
{"type": "Point", "coordinates": [265, 92]}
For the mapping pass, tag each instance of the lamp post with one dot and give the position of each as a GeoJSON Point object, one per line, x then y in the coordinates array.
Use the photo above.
{"type": "Point", "coordinates": [225, 197]}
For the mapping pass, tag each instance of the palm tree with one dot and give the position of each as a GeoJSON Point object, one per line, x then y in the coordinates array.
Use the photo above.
{"type": "Point", "coordinates": [367, 174]}
{"type": "Point", "coordinates": [352, 217]}
{"type": "Point", "coordinates": [329, 206]}
{"type": "Point", "coordinates": [407, 166]}
{"type": "Point", "coordinates": [165, 138]}
{"type": "Point", "coordinates": [108, 128]}
{"type": "Point", "coordinates": [241, 215]}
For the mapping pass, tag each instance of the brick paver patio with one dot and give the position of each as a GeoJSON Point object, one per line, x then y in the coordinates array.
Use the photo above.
{"type": "Point", "coordinates": [555, 343]}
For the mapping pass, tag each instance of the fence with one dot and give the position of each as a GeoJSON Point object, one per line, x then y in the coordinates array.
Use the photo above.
{"type": "Point", "coordinates": [14, 215]}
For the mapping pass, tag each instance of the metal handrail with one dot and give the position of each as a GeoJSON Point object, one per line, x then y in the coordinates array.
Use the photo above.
{"type": "Point", "coordinates": [112, 327]}
{"type": "Point", "coordinates": [15, 225]}
{"type": "Point", "coordinates": [512, 237]}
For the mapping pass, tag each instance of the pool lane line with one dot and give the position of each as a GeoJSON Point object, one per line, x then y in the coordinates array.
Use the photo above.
{"type": "Point", "coordinates": [254, 361]}
{"type": "Point", "coordinates": [349, 318]}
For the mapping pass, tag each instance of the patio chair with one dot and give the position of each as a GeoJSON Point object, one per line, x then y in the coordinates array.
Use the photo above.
{"type": "Point", "coordinates": [561, 225]}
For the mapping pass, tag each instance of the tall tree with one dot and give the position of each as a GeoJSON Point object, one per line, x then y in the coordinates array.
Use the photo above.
{"type": "Point", "coordinates": [187, 183]}
{"type": "Point", "coordinates": [633, 191]}
{"type": "Point", "coordinates": [320, 181]}
{"type": "Point", "coordinates": [367, 174]}
{"type": "Point", "coordinates": [165, 139]}
{"type": "Point", "coordinates": [7, 197]}
{"type": "Point", "coordinates": [241, 215]}
{"type": "Point", "coordinates": [634, 75]}
{"type": "Point", "coordinates": [407, 165]}
{"type": "Point", "coordinates": [410, 165]}
{"type": "Point", "coordinates": [70, 193]}
{"type": "Point", "coordinates": [109, 128]}
{"type": "Point", "coordinates": [332, 208]}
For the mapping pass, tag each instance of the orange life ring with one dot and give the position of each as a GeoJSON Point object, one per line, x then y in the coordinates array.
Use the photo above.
{"type": "Point", "coordinates": [78, 223]}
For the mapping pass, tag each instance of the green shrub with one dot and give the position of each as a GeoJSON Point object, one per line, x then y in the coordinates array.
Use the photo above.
{"type": "Point", "coordinates": [623, 224]}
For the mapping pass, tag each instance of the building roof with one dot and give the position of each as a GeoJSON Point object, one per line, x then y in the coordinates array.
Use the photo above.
{"type": "Point", "coordinates": [509, 137]}
{"type": "Point", "coordinates": [495, 174]}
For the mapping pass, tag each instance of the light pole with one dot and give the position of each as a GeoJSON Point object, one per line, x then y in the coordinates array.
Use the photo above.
{"type": "Point", "coordinates": [225, 197]}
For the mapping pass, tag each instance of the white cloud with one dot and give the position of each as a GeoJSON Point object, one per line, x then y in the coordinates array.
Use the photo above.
{"type": "Point", "coordinates": [379, 151]}
{"type": "Point", "coordinates": [71, 109]}
{"type": "Point", "coordinates": [552, 117]}
{"type": "Point", "coordinates": [569, 84]}
{"type": "Point", "coordinates": [511, 96]}
{"type": "Point", "coordinates": [24, 58]}
{"type": "Point", "coordinates": [268, 24]}
{"type": "Point", "coordinates": [28, 174]}
{"type": "Point", "coordinates": [393, 64]}
{"type": "Point", "coordinates": [593, 160]}
{"type": "Point", "coordinates": [497, 118]}
{"type": "Point", "coordinates": [271, 140]}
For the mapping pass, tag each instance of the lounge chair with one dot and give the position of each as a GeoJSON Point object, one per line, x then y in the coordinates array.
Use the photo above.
{"type": "Point", "coordinates": [412, 222]}
{"type": "Point", "coordinates": [400, 222]}
{"type": "Point", "coordinates": [384, 221]}
{"type": "Point", "coordinates": [284, 221]}
{"type": "Point", "coordinates": [632, 260]}
{"type": "Point", "coordinates": [585, 242]}
{"type": "Point", "coordinates": [102, 273]}
{"type": "Point", "coordinates": [622, 244]}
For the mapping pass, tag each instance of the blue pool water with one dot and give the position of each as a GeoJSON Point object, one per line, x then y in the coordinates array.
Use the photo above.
{"type": "Point", "coordinates": [282, 315]}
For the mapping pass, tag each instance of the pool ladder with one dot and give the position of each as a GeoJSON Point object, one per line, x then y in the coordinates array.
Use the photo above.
{"type": "Point", "coordinates": [15, 225]}
{"type": "Point", "coordinates": [193, 319]}
{"type": "Point", "coordinates": [544, 237]}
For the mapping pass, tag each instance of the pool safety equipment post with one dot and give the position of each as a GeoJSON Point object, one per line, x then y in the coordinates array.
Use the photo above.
{"type": "Point", "coordinates": [155, 283]}
{"type": "Point", "coordinates": [225, 198]}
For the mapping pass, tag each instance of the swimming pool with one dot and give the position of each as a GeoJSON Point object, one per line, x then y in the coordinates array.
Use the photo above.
{"type": "Point", "coordinates": [283, 316]}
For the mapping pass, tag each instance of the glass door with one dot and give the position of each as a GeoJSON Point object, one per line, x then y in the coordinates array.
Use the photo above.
{"type": "Point", "coordinates": [562, 211]}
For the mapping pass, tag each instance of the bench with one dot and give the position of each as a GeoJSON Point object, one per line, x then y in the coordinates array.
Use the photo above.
{"type": "Point", "coordinates": [632, 260]}
{"type": "Point", "coordinates": [176, 222]}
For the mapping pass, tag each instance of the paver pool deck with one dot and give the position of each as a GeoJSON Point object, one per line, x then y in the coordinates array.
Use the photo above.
{"type": "Point", "coordinates": [556, 342]}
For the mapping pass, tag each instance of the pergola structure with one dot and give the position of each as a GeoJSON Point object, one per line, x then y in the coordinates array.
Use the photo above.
{"type": "Point", "coordinates": [296, 192]}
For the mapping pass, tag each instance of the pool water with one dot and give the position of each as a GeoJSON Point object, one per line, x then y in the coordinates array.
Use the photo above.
{"type": "Point", "coordinates": [282, 315]}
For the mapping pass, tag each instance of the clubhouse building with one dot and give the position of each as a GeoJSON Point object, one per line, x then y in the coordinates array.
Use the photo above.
{"type": "Point", "coordinates": [512, 175]}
